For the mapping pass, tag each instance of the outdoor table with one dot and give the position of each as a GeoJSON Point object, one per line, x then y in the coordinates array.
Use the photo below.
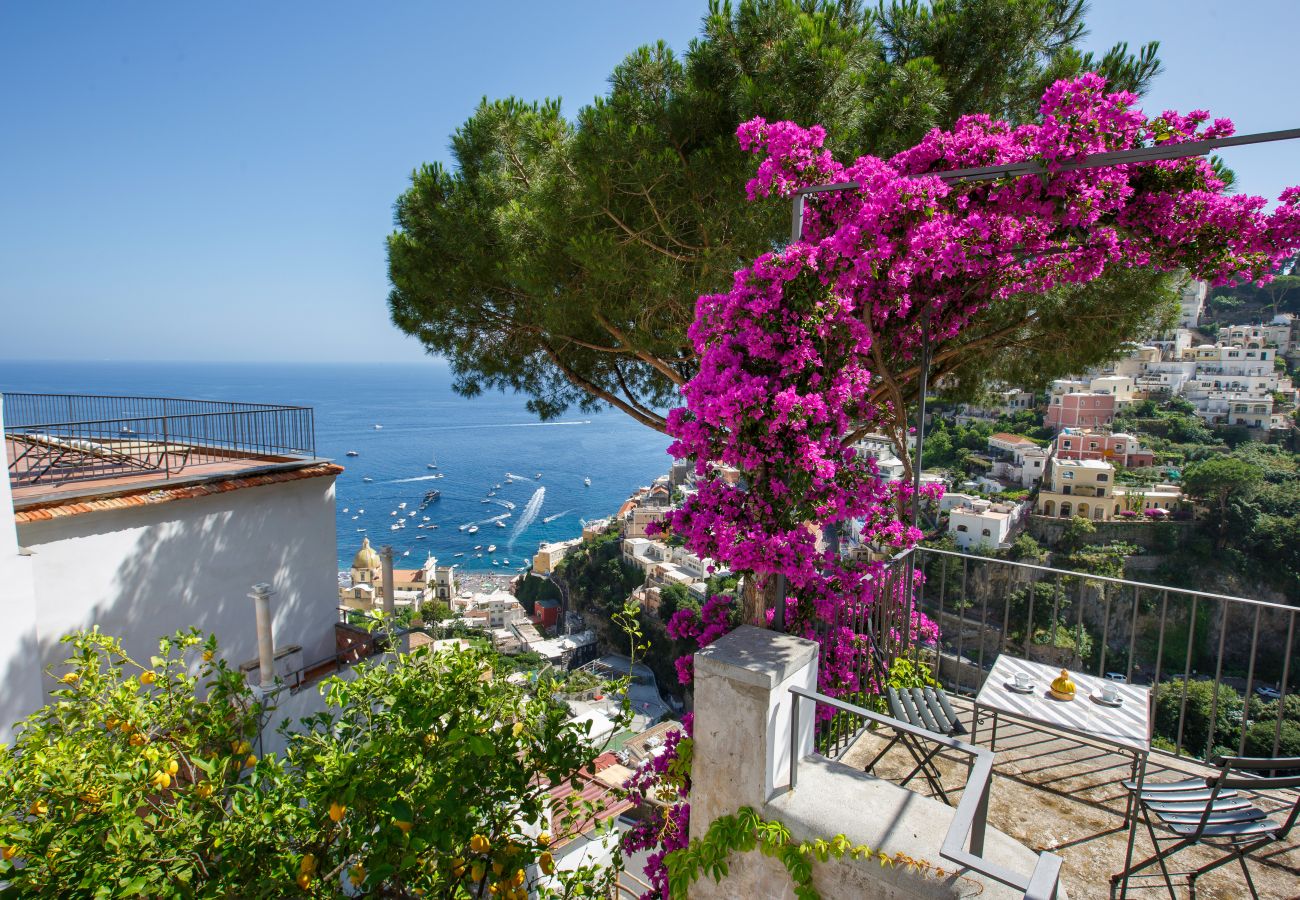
{"type": "Point", "coordinates": [1127, 728]}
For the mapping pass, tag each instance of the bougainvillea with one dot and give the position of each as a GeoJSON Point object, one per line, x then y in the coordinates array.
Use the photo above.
{"type": "Point", "coordinates": [791, 354]}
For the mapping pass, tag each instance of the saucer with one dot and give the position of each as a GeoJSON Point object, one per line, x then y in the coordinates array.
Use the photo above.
{"type": "Point", "coordinates": [1027, 689]}
{"type": "Point", "coordinates": [1098, 698]}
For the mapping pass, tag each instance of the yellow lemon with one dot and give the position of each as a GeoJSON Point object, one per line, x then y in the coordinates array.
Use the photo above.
{"type": "Point", "coordinates": [161, 780]}
{"type": "Point", "coordinates": [39, 808]}
{"type": "Point", "coordinates": [71, 678]}
{"type": "Point", "coordinates": [148, 677]}
{"type": "Point", "coordinates": [207, 656]}
{"type": "Point", "coordinates": [547, 863]}
{"type": "Point", "coordinates": [480, 844]}
{"type": "Point", "coordinates": [172, 767]}
{"type": "Point", "coordinates": [204, 790]}
{"type": "Point", "coordinates": [477, 871]}
{"type": "Point", "coordinates": [518, 878]}
{"type": "Point", "coordinates": [497, 868]}
{"type": "Point", "coordinates": [138, 739]}
{"type": "Point", "coordinates": [251, 760]}
{"type": "Point", "coordinates": [308, 863]}
{"type": "Point", "coordinates": [357, 874]}
{"type": "Point", "coordinates": [518, 729]}
{"type": "Point", "coordinates": [404, 826]}
{"type": "Point", "coordinates": [337, 811]}
{"type": "Point", "coordinates": [304, 880]}
{"type": "Point", "coordinates": [9, 852]}
{"type": "Point", "coordinates": [544, 839]}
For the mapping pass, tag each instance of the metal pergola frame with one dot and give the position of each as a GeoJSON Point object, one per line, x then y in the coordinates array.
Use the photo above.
{"type": "Point", "coordinates": [1021, 169]}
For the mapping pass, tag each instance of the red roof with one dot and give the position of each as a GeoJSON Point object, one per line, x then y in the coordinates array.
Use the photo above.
{"type": "Point", "coordinates": [152, 496]}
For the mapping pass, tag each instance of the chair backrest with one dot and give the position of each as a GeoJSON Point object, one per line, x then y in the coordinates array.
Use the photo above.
{"type": "Point", "coordinates": [1233, 775]}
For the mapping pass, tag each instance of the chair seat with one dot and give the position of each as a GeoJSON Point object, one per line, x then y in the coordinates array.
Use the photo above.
{"type": "Point", "coordinates": [1237, 831]}
{"type": "Point", "coordinates": [1152, 787]}
{"type": "Point", "coordinates": [925, 708]}
{"type": "Point", "coordinates": [1174, 806]}
{"type": "Point", "coordinates": [1225, 817]}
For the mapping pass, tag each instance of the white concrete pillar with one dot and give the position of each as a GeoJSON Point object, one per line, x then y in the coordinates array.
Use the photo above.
{"type": "Point", "coordinates": [742, 720]}
{"type": "Point", "coordinates": [265, 637]}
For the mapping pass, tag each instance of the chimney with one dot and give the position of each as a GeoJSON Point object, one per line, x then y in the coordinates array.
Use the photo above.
{"type": "Point", "coordinates": [265, 639]}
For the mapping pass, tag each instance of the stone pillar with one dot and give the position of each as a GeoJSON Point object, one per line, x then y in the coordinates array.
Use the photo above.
{"type": "Point", "coordinates": [742, 720]}
{"type": "Point", "coordinates": [390, 595]}
{"type": "Point", "coordinates": [265, 637]}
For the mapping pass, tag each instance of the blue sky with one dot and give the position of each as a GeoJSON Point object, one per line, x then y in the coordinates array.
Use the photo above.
{"type": "Point", "coordinates": [215, 181]}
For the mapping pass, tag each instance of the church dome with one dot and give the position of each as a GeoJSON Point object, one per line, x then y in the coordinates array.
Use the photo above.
{"type": "Point", "coordinates": [366, 557]}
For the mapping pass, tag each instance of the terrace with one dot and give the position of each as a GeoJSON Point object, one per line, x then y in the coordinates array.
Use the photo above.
{"type": "Point", "coordinates": [61, 446]}
{"type": "Point", "coordinates": [1038, 797]}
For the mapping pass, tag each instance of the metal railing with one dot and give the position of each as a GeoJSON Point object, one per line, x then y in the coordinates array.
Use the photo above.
{"type": "Point", "coordinates": [1153, 634]}
{"type": "Point", "coordinates": [54, 438]}
{"type": "Point", "coordinates": [963, 843]}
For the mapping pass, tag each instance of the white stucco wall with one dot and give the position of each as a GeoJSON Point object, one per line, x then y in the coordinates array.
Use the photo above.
{"type": "Point", "coordinates": [18, 643]}
{"type": "Point", "coordinates": [147, 571]}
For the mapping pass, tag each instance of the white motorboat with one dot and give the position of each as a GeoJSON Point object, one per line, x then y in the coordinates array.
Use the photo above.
{"type": "Point", "coordinates": [352, 453]}
{"type": "Point", "coordinates": [473, 529]}
{"type": "Point", "coordinates": [539, 475]}
{"type": "Point", "coordinates": [345, 509]}
{"type": "Point", "coordinates": [406, 552]}
{"type": "Point", "coordinates": [362, 511]}
{"type": "Point", "coordinates": [587, 481]}
{"type": "Point", "coordinates": [401, 505]}
{"type": "Point", "coordinates": [394, 527]}
{"type": "Point", "coordinates": [423, 537]}
{"type": "Point", "coordinates": [379, 428]}
{"type": "Point", "coordinates": [495, 563]}
{"type": "Point", "coordinates": [367, 479]}
{"type": "Point", "coordinates": [496, 487]}
{"type": "Point", "coordinates": [478, 546]}
{"type": "Point", "coordinates": [492, 548]}
{"type": "Point", "coordinates": [426, 518]}
{"type": "Point", "coordinates": [500, 524]}
{"type": "Point", "coordinates": [354, 518]}
{"type": "Point", "coordinates": [478, 555]}
{"type": "Point", "coordinates": [393, 513]}
{"type": "Point", "coordinates": [462, 553]}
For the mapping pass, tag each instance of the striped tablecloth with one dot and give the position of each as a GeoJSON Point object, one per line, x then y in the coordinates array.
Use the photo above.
{"type": "Point", "coordinates": [1128, 725]}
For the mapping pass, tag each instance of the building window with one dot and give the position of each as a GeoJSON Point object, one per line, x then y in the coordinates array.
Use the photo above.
{"type": "Point", "coordinates": [986, 532]}
{"type": "Point", "coordinates": [1102, 476]}
{"type": "Point", "coordinates": [1092, 445]}
{"type": "Point", "coordinates": [1067, 474]}
{"type": "Point", "coordinates": [961, 527]}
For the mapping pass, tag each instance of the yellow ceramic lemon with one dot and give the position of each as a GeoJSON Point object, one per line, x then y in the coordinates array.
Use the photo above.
{"type": "Point", "coordinates": [1063, 687]}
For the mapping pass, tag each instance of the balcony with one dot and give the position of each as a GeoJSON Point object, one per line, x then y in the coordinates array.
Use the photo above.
{"type": "Point", "coordinates": [63, 445]}
{"type": "Point", "coordinates": [1046, 793]}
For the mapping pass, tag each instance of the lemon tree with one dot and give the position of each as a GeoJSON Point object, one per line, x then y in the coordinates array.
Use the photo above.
{"type": "Point", "coordinates": [428, 774]}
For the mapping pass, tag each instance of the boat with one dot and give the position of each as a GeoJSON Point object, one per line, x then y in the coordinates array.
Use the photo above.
{"type": "Point", "coordinates": [406, 552]}
{"type": "Point", "coordinates": [352, 453]}
{"type": "Point", "coordinates": [478, 546]}
{"type": "Point", "coordinates": [433, 526]}
{"type": "Point", "coordinates": [423, 537]}
{"type": "Point", "coordinates": [539, 475]}
{"type": "Point", "coordinates": [500, 524]}
{"type": "Point", "coordinates": [345, 509]}
{"type": "Point", "coordinates": [433, 462]}
{"type": "Point", "coordinates": [495, 563]}
{"type": "Point", "coordinates": [496, 487]}
{"type": "Point", "coordinates": [429, 497]}
{"type": "Point", "coordinates": [379, 428]}
{"type": "Point", "coordinates": [360, 529]}
{"type": "Point", "coordinates": [473, 529]}
{"type": "Point", "coordinates": [367, 479]}
{"type": "Point", "coordinates": [361, 511]}
{"type": "Point", "coordinates": [505, 562]}
{"type": "Point", "coordinates": [492, 493]}
{"type": "Point", "coordinates": [393, 513]}
{"type": "Point", "coordinates": [587, 481]}
{"type": "Point", "coordinates": [478, 555]}
{"type": "Point", "coordinates": [463, 527]}
{"type": "Point", "coordinates": [462, 553]}
{"type": "Point", "coordinates": [430, 466]}
{"type": "Point", "coordinates": [412, 514]}
{"type": "Point", "coordinates": [354, 518]}
{"type": "Point", "coordinates": [394, 527]}
{"type": "Point", "coordinates": [425, 518]}
{"type": "Point", "coordinates": [492, 548]}
{"type": "Point", "coordinates": [401, 505]}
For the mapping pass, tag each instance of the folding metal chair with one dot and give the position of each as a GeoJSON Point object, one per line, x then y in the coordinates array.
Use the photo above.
{"type": "Point", "coordinates": [1211, 811]}
{"type": "Point", "coordinates": [926, 708]}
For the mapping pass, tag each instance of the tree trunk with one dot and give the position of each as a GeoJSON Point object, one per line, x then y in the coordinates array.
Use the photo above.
{"type": "Point", "coordinates": [756, 598]}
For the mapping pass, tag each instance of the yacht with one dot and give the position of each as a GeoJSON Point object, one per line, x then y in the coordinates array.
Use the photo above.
{"type": "Point", "coordinates": [432, 463]}
{"type": "Point", "coordinates": [492, 548]}
{"type": "Point", "coordinates": [478, 546]}
{"type": "Point", "coordinates": [406, 552]}
{"type": "Point", "coordinates": [367, 479]}
{"type": "Point", "coordinates": [412, 514]}
{"type": "Point", "coordinates": [492, 493]}
{"type": "Point", "coordinates": [495, 563]}
{"type": "Point", "coordinates": [478, 555]}
{"type": "Point", "coordinates": [394, 527]}
{"type": "Point", "coordinates": [393, 513]}
{"type": "Point", "coordinates": [352, 453]}
{"type": "Point", "coordinates": [423, 537]}
{"type": "Point", "coordinates": [587, 481]}
{"type": "Point", "coordinates": [401, 505]}
{"type": "Point", "coordinates": [354, 518]}
{"type": "Point", "coordinates": [539, 475]}
{"type": "Point", "coordinates": [500, 524]}
{"type": "Point", "coordinates": [429, 497]}
{"type": "Point", "coordinates": [473, 529]}
{"type": "Point", "coordinates": [361, 511]}
{"type": "Point", "coordinates": [424, 518]}
{"type": "Point", "coordinates": [379, 428]}
{"type": "Point", "coordinates": [462, 553]}
{"type": "Point", "coordinates": [345, 509]}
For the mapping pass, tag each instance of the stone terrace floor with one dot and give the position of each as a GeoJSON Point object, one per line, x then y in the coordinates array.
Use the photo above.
{"type": "Point", "coordinates": [1052, 792]}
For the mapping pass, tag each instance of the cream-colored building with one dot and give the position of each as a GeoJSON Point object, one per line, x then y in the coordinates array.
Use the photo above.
{"type": "Point", "coordinates": [410, 586]}
{"type": "Point", "coordinates": [549, 554]}
{"type": "Point", "coordinates": [1086, 487]}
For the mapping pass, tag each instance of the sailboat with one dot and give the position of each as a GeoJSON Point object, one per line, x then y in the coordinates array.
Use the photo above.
{"type": "Point", "coordinates": [433, 462]}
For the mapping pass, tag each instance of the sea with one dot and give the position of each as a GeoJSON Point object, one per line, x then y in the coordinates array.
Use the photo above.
{"type": "Point", "coordinates": [495, 462]}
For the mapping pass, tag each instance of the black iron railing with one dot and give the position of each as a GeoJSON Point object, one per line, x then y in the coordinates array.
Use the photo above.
{"type": "Point", "coordinates": [54, 438]}
{"type": "Point", "coordinates": [1239, 650]}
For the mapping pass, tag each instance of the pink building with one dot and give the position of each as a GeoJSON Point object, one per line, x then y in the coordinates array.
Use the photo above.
{"type": "Point", "coordinates": [1122, 450]}
{"type": "Point", "coordinates": [1080, 410]}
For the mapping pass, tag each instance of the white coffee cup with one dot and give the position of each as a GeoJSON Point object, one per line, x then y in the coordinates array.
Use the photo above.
{"type": "Point", "coordinates": [1022, 679]}
{"type": "Point", "coordinates": [1109, 692]}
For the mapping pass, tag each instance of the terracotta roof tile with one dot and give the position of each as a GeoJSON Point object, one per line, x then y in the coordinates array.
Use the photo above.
{"type": "Point", "coordinates": [152, 496]}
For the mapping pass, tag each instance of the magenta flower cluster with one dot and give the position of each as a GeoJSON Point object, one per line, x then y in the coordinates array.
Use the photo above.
{"type": "Point", "coordinates": [792, 355]}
